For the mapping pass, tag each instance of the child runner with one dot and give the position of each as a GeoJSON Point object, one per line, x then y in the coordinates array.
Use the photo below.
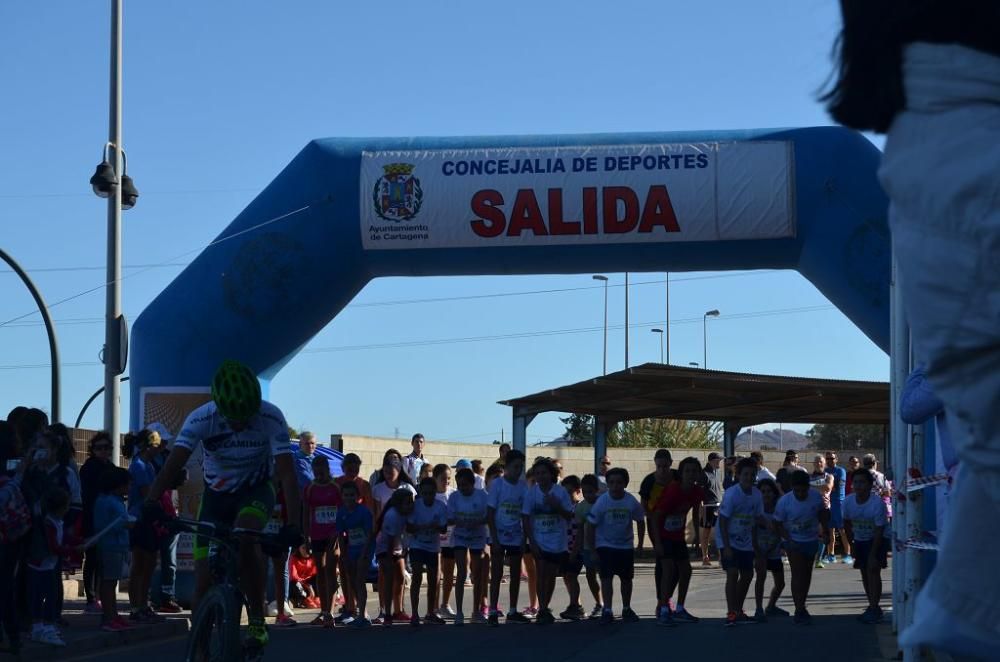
{"type": "Point", "coordinates": [865, 518]}
{"type": "Point", "coordinates": [303, 579]}
{"type": "Point", "coordinates": [768, 556]}
{"type": "Point", "coordinates": [321, 501]}
{"type": "Point", "coordinates": [545, 511]}
{"type": "Point", "coordinates": [591, 487]}
{"type": "Point", "coordinates": [43, 568]}
{"type": "Point", "coordinates": [113, 546]}
{"type": "Point", "coordinates": [671, 547]}
{"type": "Point", "coordinates": [741, 508]}
{"type": "Point", "coordinates": [389, 545]}
{"type": "Point", "coordinates": [442, 478]}
{"type": "Point", "coordinates": [425, 526]}
{"type": "Point", "coordinates": [467, 514]}
{"type": "Point", "coordinates": [355, 526]}
{"type": "Point", "coordinates": [506, 497]}
{"type": "Point", "coordinates": [797, 517]}
{"type": "Point", "coordinates": [493, 472]}
{"type": "Point", "coordinates": [351, 465]}
{"type": "Point", "coordinates": [530, 572]}
{"type": "Point", "coordinates": [574, 562]}
{"type": "Point", "coordinates": [609, 529]}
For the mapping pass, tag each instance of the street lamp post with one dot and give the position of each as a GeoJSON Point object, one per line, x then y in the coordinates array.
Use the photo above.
{"type": "Point", "coordinates": [659, 331]}
{"type": "Point", "coordinates": [693, 364]}
{"type": "Point", "coordinates": [666, 328]}
{"type": "Point", "coordinates": [604, 279]}
{"type": "Point", "coordinates": [704, 335]}
{"type": "Point", "coordinates": [626, 320]}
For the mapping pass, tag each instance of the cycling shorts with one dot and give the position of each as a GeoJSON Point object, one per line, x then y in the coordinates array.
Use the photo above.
{"type": "Point", "coordinates": [255, 501]}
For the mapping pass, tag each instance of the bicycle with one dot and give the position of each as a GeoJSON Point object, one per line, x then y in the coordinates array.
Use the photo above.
{"type": "Point", "coordinates": [215, 625]}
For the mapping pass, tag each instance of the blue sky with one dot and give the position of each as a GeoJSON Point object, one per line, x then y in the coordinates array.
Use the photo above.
{"type": "Point", "coordinates": [220, 96]}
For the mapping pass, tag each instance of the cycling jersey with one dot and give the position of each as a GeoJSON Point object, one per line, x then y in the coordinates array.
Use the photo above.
{"type": "Point", "coordinates": [234, 460]}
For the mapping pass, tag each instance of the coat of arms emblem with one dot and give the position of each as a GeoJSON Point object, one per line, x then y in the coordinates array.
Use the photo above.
{"type": "Point", "coordinates": [397, 195]}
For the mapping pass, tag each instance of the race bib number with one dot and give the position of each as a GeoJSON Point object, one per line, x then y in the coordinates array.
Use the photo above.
{"type": "Point", "coordinates": [510, 511]}
{"type": "Point", "coordinates": [864, 529]}
{"type": "Point", "coordinates": [547, 524]}
{"type": "Point", "coordinates": [357, 537]}
{"type": "Point", "coordinates": [618, 515]}
{"type": "Point", "coordinates": [804, 526]}
{"type": "Point", "coordinates": [739, 529]}
{"type": "Point", "coordinates": [325, 515]}
{"type": "Point", "coordinates": [674, 523]}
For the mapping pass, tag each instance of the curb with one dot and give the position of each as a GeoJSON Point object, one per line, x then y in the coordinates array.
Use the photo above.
{"type": "Point", "coordinates": [97, 641]}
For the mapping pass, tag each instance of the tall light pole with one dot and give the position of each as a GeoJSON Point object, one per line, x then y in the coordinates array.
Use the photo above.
{"type": "Point", "coordinates": [659, 331]}
{"type": "Point", "coordinates": [666, 328]}
{"type": "Point", "coordinates": [704, 336]}
{"type": "Point", "coordinates": [626, 320]}
{"type": "Point", "coordinates": [604, 279]}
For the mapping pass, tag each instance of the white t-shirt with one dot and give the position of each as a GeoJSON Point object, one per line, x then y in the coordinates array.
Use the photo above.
{"type": "Point", "coordinates": [506, 500]}
{"type": "Point", "coordinates": [865, 517]}
{"type": "Point", "coordinates": [381, 492]}
{"type": "Point", "coordinates": [612, 520]}
{"type": "Point", "coordinates": [478, 482]}
{"type": "Point", "coordinates": [764, 473]}
{"type": "Point", "coordinates": [445, 537]}
{"type": "Point", "coordinates": [741, 509]}
{"type": "Point", "coordinates": [236, 459]}
{"type": "Point", "coordinates": [390, 536]}
{"type": "Point", "coordinates": [471, 508]}
{"type": "Point", "coordinates": [800, 518]}
{"type": "Point", "coordinates": [766, 537]}
{"type": "Point", "coordinates": [422, 515]}
{"type": "Point", "coordinates": [548, 526]}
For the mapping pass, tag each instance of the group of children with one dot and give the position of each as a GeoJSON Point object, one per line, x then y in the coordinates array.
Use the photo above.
{"type": "Point", "coordinates": [531, 526]}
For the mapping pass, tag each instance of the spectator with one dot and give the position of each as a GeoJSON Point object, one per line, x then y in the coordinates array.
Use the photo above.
{"type": "Point", "coordinates": [44, 561]}
{"type": "Point", "coordinates": [12, 464]}
{"type": "Point", "coordinates": [503, 449]}
{"type": "Point", "coordinates": [836, 510]}
{"type": "Point", "coordinates": [112, 548]}
{"type": "Point", "coordinates": [140, 449]}
{"type": "Point", "coordinates": [853, 464]}
{"type": "Point", "coordinates": [99, 461]}
{"type": "Point", "coordinates": [712, 486]}
{"type": "Point", "coordinates": [479, 474]}
{"type": "Point", "coordinates": [821, 482]}
{"type": "Point", "coordinates": [729, 476]}
{"type": "Point", "coordinates": [415, 460]}
{"type": "Point", "coordinates": [602, 475]}
{"type": "Point", "coordinates": [303, 577]}
{"type": "Point", "coordinates": [762, 471]}
{"type": "Point", "coordinates": [304, 457]}
{"type": "Point", "coordinates": [167, 602]}
{"type": "Point", "coordinates": [784, 477]}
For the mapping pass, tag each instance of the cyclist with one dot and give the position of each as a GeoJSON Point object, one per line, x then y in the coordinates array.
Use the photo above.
{"type": "Point", "coordinates": [247, 454]}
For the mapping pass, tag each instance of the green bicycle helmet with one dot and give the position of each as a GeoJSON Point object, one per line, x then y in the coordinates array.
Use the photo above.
{"type": "Point", "coordinates": [236, 391]}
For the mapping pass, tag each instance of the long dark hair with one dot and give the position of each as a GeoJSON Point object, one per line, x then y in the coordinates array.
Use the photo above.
{"type": "Point", "coordinates": [403, 476]}
{"type": "Point", "coordinates": [395, 501]}
{"type": "Point", "coordinates": [100, 436]}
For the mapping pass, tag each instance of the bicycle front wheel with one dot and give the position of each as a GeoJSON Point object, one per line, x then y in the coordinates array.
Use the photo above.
{"type": "Point", "coordinates": [215, 627]}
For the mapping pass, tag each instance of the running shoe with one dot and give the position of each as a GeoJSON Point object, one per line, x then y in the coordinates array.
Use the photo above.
{"type": "Point", "coordinates": [572, 613]}
{"type": "Point", "coordinates": [477, 618]}
{"type": "Point", "coordinates": [802, 617]}
{"type": "Point", "coordinates": [516, 617]}
{"type": "Point", "coordinates": [760, 616]}
{"type": "Point", "coordinates": [493, 620]}
{"type": "Point", "coordinates": [706, 563]}
{"type": "Point", "coordinates": [629, 616]}
{"type": "Point", "coordinates": [400, 616]}
{"type": "Point", "coordinates": [344, 618]}
{"type": "Point", "coordinates": [847, 560]}
{"type": "Point", "coordinates": [284, 621]}
{"type": "Point", "coordinates": [545, 617]}
{"type": "Point", "coordinates": [776, 611]}
{"type": "Point", "coordinates": [607, 618]}
{"type": "Point", "coordinates": [360, 623]}
{"type": "Point", "coordinates": [596, 612]}
{"type": "Point", "coordinates": [415, 621]}
{"type": "Point", "coordinates": [665, 618]}
{"type": "Point", "coordinates": [434, 619]}
{"type": "Point", "coordinates": [94, 607]}
{"type": "Point", "coordinates": [257, 634]}
{"type": "Point", "coordinates": [819, 564]}
{"type": "Point", "coordinates": [830, 559]}
{"type": "Point", "coordinates": [169, 606]}
{"type": "Point", "coordinates": [683, 616]}
{"type": "Point", "coordinates": [380, 619]}
{"type": "Point", "coordinates": [743, 619]}
{"type": "Point", "coordinates": [730, 619]}
{"type": "Point", "coordinates": [387, 622]}
{"type": "Point", "coordinates": [530, 612]}
{"type": "Point", "coordinates": [459, 619]}
{"type": "Point", "coordinates": [115, 625]}
{"type": "Point", "coordinates": [446, 612]}
{"type": "Point", "coordinates": [325, 620]}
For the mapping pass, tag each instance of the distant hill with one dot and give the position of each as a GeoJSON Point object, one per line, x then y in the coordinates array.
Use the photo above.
{"type": "Point", "coordinates": [774, 440]}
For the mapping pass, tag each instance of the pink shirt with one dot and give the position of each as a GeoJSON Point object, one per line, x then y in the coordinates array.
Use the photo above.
{"type": "Point", "coordinates": [322, 502]}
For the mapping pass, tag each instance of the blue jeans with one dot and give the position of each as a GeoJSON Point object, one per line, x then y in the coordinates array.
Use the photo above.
{"type": "Point", "coordinates": [168, 567]}
{"type": "Point", "coordinates": [42, 589]}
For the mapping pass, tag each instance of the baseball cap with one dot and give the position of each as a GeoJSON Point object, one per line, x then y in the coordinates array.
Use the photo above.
{"type": "Point", "coordinates": [161, 430]}
{"type": "Point", "coordinates": [463, 464]}
{"type": "Point", "coordinates": [714, 456]}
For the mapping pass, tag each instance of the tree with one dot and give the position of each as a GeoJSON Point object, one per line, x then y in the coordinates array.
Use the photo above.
{"type": "Point", "coordinates": [845, 437]}
{"type": "Point", "coordinates": [579, 427]}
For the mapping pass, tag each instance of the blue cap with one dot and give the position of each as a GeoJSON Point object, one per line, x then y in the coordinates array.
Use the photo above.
{"type": "Point", "coordinates": [463, 464]}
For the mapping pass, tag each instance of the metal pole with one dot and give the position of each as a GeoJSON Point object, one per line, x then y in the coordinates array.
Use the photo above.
{"type": "Point", "coordinates": [626, 320]}
{"type": "Point", "coordinates": [666, 329]}
{"type": "Point", "coordinates": [86, 405]}
{"type": "Point", "coordinates": [605, 326]}
{"type": "Point", "coordinates": [112, 394]}
{"type": "Point", "coordinates": [704, 341]}
{"type": "Point", "coordinates": [50, 329]}
{"type": "Point", "coordinates": [661, 347]}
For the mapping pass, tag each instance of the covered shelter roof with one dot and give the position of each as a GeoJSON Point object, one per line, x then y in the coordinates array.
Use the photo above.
{"type": "Point", "coordinates": [654, 390]}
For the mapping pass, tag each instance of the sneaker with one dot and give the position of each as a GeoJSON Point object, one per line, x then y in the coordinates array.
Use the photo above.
{"type": "Point", "coordinates": [284, 621]}
{"type": "Point", "coordinates": [517, 617]}
{"type": "Point", "coordinates": [819, 564]}
{"type": "Point", "coordinates": [730, 619]}
{"type": "Point", "coordinates": [380, 619]}
{"type": "Point", "coordinates": [272, 608]}
{"type": "Point", "coordinates": [320, 620]}
{"type": "Point", "coordinates": [446, 612]}
{"type": "Point", "coordinates": [801, 617]}
{"type": "Point", "coordinates": [387, 621]}
{"type": "Point", "coordinates": [360, 623]}
{"type": "Point", "coordinates": [743, 619]}
{"type": "Point", "coordinates": [400, 616]}
{"type": "Point", "coordinates": [122, 622]}
{"type": "Point", "coordinates": [776, 611]}
{"type": "Point", "coordinates": [94, 608]}
{"type": "Point", "coordinates": [596, 612]}
{"type": "Point", "coordinates": [530, 612]}
{"type": "Point", "coordinates": [760, 616]}
{"type": "Point", "coordinates": [459, 619]}
{"type": "Point", "coordinates": [257, 634]}
{"type": "Point", "coordinates": [847, 560]}
{"type": "Point", "coordinates": [545, 617]}
{"type": "Point", "coordinates": [607, 618]}
{"type": "Point", "coordinates": [344, 618]}
{"type": "Point", "coordinates": [169, 606]}
{"type": "Point", "coordinates": [114, 626]}
{"type": "Point", "coordinates": [665, 618]}
{"type": "Point", "coordinates": [288, 609]}
{"type": "Point", "coordinates": [572, 613]}
{"type": "Point", "coordinates": [478, 618]}
{"type": "Point", "coordinates": [49, 636]}
{"type": "Point", "coordinates": [629, 616]}
{"type": "Point", "coordinates": [493, 620]}
{"type": "Point", "coordinates": [683, 616]}
{"type": "Point", "coordinates": [150, 616]}
{"type": "Point", "coordinates": [415, 621]}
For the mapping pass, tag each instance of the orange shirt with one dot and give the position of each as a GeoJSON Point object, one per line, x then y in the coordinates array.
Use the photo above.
{"type": "Point", "coordinates": [364, 490]}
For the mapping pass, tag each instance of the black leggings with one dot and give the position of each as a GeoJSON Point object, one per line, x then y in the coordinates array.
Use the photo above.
{"type": "Point", "coordinates": [92, 574]}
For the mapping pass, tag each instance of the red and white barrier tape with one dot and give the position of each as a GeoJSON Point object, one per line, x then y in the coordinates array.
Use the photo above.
{"type": "Point", "coordinates": [915, 484]}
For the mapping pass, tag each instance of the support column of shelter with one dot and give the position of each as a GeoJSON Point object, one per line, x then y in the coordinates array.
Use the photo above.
{"type": "Point", "coordinates": [730, 431]}
{"type": "Point", "coordinates": [522, 420]}
{"type": "Point", "coordinates": [600, 442]}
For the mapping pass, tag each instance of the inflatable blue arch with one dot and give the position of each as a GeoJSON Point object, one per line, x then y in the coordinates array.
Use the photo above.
{"type": "Point", "coordinates": [346, 211]}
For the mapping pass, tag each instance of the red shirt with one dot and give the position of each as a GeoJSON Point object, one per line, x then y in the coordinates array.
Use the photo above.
{"type": "Point", "coordinates": [675, 503]}
{"type": "Point", "coordinates": [301, 569]}
{"type": "Point", "coordinates": [322, 502]}
{"type": "Point", "coordinates": [364, 490]}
